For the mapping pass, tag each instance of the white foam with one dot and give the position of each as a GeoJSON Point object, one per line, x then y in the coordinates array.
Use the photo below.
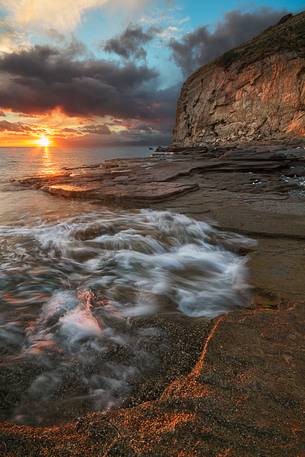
{"type": "Point", "coordinates": [83, 279]}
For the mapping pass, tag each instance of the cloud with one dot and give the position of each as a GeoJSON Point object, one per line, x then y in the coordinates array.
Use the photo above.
{"type": "Point", "coordinates": [145, 135]}
{"type": "Point", "coordinates": [61, 15]}
{"type": "Point", "coordinates": [130, 43]}
{"type": "Point", "coordinates": [55, 14]}
{"type": "Point", "coordinates": [97, 129]}
{"type": "Point", "coordinates": [133, 135]}
{"type": "Point", "coordinates": [10, 39]}
{"type": "Point", "coordinates": [15, 127]}
{"type": "Point", "coordinates": [43, 78]}
{"type": "Point", "coordinates": [201, 46]}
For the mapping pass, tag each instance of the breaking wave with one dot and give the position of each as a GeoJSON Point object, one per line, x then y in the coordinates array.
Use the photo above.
{"type": "Point", "coordinates": [70, 292]}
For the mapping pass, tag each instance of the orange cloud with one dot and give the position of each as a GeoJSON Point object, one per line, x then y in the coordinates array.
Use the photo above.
{"type": "Point", "coordinates": [62, 15]}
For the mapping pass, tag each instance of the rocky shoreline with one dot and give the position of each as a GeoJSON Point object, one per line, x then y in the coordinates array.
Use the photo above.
{"type": "Point", "coordinates": [231, 185]}
{"type": "Point", "coordinates": [234, 386]}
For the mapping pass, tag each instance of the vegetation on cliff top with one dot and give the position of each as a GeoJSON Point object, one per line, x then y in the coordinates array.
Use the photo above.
{"type": "Point", "coordinates": [286, 36]}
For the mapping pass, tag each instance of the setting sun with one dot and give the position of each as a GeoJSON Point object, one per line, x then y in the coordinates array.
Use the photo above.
{"type": "Point", "coordinates": [43, 141]}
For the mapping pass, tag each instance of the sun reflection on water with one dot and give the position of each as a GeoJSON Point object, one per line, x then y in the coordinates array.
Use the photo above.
{"type": "Point", "coordinates": [49, 166]}
{"type": "Point", "coordinates": [47, 159]}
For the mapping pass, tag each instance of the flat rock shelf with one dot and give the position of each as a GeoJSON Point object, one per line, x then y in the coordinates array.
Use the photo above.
{"type": "Point", "coordinates": [234, 186]}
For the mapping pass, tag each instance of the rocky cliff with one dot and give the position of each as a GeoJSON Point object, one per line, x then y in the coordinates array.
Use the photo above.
{"type": "Point", "coordinates": [255, 92]}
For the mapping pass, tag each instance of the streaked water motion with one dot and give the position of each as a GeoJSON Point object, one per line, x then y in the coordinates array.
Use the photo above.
{"type": "Point", "coordinates": [71, 289]}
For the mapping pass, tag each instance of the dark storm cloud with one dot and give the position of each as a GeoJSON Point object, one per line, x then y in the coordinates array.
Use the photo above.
{"type": "Point", "coordinates": [42, 78]}
{"type": "Point", "coordinates": [130, 43]}
{"type": "Point", "coordinates": [97, 129]}
{"type": "Point", "coordinates": [201, 46]}
{"type": "Point", "coordinates": [14, 127]}
{"type": "Point", "coordinates": [145, 134]}
{"type": "Point", "coordinates": [133, 135]}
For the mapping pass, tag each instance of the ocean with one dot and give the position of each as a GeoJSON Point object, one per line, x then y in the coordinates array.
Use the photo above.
{"type": "Point", "coordinates": [75, 277]}
{"type": "Point", "coordinates": [22, 162]}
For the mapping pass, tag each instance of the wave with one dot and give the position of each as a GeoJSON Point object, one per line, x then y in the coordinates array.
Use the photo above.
{"type": "Point", "coordinates": [70, 291]}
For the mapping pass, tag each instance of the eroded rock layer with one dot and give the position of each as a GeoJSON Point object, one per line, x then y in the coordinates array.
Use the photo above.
{"type": "Point", "coordinates": [254, 92]}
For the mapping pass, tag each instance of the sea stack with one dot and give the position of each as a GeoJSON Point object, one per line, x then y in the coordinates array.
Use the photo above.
{"type": "Point", "coordinates": [253, 93]}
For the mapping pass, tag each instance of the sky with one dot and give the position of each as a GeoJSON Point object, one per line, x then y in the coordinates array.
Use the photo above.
{"type": "Point", "coordinates": [108, 72]}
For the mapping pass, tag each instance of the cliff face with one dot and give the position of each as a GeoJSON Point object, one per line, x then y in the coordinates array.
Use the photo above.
{"type": "Point", "coordinates": [254, 92]}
